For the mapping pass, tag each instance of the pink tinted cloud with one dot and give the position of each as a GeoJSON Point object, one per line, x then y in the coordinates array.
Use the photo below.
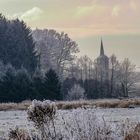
{"type": "Point", "coordinates": [82, 18]}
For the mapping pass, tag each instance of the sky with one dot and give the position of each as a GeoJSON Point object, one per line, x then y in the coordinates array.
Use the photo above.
{"type": "Point", "coordinates": [85, 21]}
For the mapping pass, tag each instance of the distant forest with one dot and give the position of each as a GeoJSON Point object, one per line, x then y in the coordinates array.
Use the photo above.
{"type": "Point", "coordinates": [42, 64]}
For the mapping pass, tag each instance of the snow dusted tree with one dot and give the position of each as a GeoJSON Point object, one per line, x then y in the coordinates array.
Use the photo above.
{"type": "Point", "coordinates": [74, 70]}
{"type": "Point", "coordinates": [16, 44]}
{"type": "Point", "coordinates": [56, 50]}
{"type": "Point", "coordinates": [20, 46]}
{"type": "Point", "coordinates": [76, 93]}
{"type": "Point", "coordinates": [86, 66]}
{"type": "Point", "coordinates": [44, 41]}
{"type": "Point", "coordinates": [3, 29]}
{"type": "Point", "coordinates": [114, 73]}
{"type": "Point", "coordinates": [127, 76]}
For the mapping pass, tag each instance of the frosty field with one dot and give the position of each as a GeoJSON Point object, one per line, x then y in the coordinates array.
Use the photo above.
{"type": "Point", "coordinates": [112, 116]}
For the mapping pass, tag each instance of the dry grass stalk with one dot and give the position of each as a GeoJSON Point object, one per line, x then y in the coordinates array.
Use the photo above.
{"type": "Point", "coordinates": [66, 105]}
{"type": "Point", "coordinates": [133, 135]}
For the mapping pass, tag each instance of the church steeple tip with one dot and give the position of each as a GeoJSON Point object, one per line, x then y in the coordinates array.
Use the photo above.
{"type": "Point", "coordinates": [102, 48]}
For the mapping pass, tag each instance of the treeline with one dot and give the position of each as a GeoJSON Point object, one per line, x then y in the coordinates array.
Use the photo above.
{"type": "Point", "coordinates": [18, 85]}
{"type": "Point", "coordinates": [121, 78]}
{"type": "Point", "coordinates": [57, 51]}
{"type": "Point", "coordinates": [42, 64]}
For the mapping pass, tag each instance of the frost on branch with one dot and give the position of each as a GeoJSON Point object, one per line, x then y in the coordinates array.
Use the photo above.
{"type": "Point", "coordinates": [43, 114]}
{"type": "Point", "coordinates": [76, 93]}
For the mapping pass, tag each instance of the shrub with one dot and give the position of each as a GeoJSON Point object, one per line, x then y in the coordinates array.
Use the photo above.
{"type": "Point", "coordinates": [76, 93]}
{"type": "Point", "coordinates": [18, 134]}
{"type": "Point", "coordinates": [43, 113]}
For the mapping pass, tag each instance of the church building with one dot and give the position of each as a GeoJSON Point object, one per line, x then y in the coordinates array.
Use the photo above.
{"type": "Point", "coordinates": [102, 73]}
{"type": "Point", "coordinates": [102, 63]}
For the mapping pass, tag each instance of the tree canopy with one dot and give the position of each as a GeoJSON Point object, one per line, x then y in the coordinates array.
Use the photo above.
{"type": "Point", "coordinates": [17, 45]}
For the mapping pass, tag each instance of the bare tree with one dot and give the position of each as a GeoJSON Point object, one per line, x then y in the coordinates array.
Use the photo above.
{"type": "Point", "coordinates": [74, 70]}
{"type": "Point", "coordinates": [44, 41]}
{"type": "Point", "coordinates": [56, 48]}
{"type": "Point", "coordinates": [127, 76]}
{"type": "Point", "coordinates": [86, 66]}
{"type": "Point", "coordinates": [114, 67]}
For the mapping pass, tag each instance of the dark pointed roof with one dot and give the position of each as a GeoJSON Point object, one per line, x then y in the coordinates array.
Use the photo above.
{"type": "Point", "coordinates": [102, 48]}
{"type": "Point", "coordinates": [102, 55]}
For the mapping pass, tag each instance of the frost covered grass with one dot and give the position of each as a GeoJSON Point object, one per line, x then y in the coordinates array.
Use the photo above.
{"type": "Point", "coordinates": [78, 124]}
{"type": "Point", "coordinates": [66, 105]}
{"type": "Point", "coordinates": [46, 122]}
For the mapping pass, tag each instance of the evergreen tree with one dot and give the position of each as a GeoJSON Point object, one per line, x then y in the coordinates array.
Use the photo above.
{"type": "Point", "coordinates": [15, 86]}
{"type": "Point", "coordinates": [23, 84]}
{"type": "Point", "coordinates": [16, 44]}
{"type": "Point", "coordinates": [52, 86]}
{"type": "Point", "coordinates": [3, 29]}
{"type": "Point", "coordinates": [7, 85]}
{"type": "Point", "coordinates": [38, 87]}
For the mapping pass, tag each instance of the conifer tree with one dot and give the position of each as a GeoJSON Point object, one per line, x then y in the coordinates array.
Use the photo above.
{"type": "Point", "coordinates": [38, 86]}
{"type": "Point", "coordinates": [52, 86]}
{"type": "Point", "coordinates": [7, 85]}
{"type": "Point", "coordinates": [17, 45]}
{"type": "Point", "coordinates": [23, 84]}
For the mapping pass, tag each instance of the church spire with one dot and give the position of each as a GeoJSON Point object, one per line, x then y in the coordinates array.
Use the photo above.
{"type": "Point", "coordinates": [102, 48]}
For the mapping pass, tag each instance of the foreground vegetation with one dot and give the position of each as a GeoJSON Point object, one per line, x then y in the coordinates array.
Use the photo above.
{"type": "Point", "coordinates": [77, 124]}
{"type": "Point", "coordinates": [66, 105]}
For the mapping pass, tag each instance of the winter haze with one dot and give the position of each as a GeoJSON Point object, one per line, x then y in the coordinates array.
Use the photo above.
{"type": "Point", "coordinates": [85, 21]}
{"type": "Point", "coordinates": [69, 70]}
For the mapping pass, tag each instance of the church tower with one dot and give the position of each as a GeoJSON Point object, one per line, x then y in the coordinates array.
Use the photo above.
{"type": "Point", "coordinates": [102, 63]}
{"type": "Point", "coordinates": [102, 73]}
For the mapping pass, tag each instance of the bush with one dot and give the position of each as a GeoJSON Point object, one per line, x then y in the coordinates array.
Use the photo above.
{"type": "Point", "coordinates": [18, 134]}
{"type": "Point", "coordinates": [76, 93]}
{"type": "Point", "coordinates": [43, 113]}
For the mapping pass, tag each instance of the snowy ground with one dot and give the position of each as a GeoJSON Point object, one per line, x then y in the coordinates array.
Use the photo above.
{"type": "Point", "coordinates": [11, 119]}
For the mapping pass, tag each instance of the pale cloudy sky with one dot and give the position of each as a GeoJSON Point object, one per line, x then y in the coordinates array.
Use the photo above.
{"type": "Point", "coordinates": [117, 21]}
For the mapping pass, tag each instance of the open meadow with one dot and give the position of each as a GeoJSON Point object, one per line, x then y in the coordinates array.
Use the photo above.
{"type": "Point", "coordinates": [108, 121]}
